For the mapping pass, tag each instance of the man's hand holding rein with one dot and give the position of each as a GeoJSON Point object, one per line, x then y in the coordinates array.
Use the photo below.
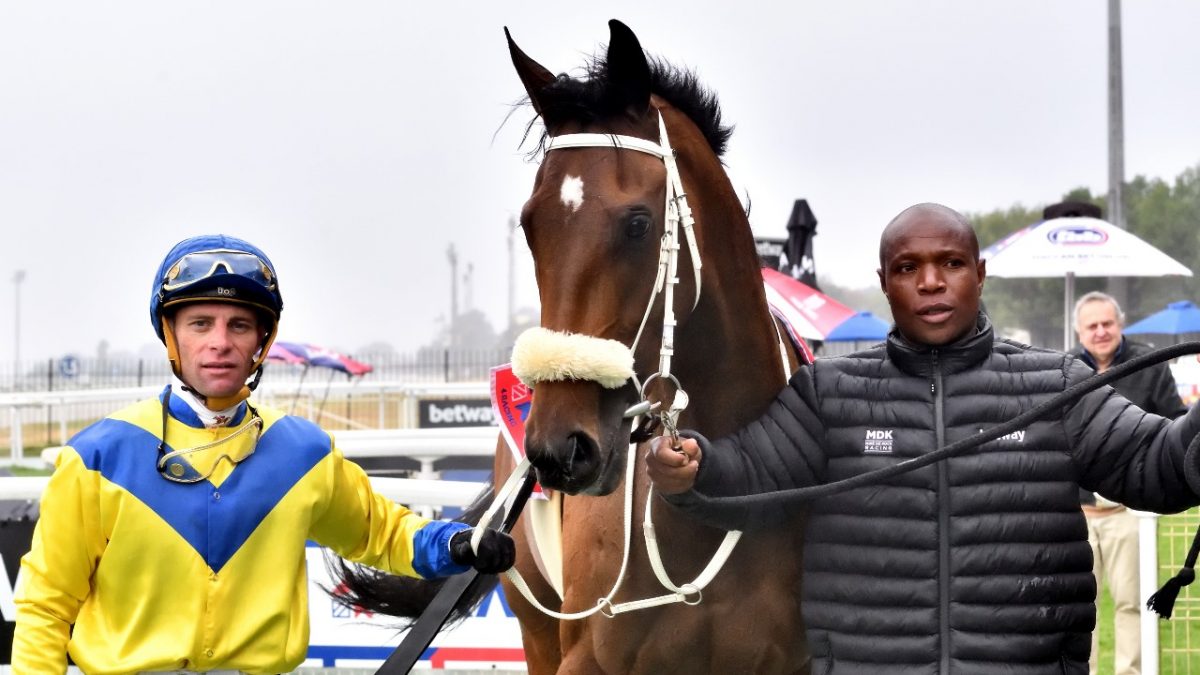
{"type": "Point", "coordinates": [673, 469]}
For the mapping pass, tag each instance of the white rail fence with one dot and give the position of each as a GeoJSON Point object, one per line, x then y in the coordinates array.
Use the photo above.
{"type": "Point", "coordinates": [22, 408]}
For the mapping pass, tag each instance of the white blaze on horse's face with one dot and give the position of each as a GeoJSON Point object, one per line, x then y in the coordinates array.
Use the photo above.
{"type": "Point", "coordinates": [572, 192]}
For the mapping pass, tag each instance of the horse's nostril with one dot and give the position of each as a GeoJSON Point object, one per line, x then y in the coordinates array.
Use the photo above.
{"type": "Point", "coordinates": [569, 465]}
{"type": "Point", "coordinates": [577, 452]}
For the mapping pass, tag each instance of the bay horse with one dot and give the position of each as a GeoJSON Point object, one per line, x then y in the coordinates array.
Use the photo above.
{"type": "Point", "coordinates": [595, 224]}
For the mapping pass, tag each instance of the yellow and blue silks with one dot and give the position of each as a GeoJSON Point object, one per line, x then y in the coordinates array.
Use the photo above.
{"type": "Point", "coordinates": [157, 575]}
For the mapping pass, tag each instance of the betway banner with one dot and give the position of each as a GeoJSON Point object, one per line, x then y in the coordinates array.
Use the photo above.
{"type": "Point", "coordinates": [463, 412]}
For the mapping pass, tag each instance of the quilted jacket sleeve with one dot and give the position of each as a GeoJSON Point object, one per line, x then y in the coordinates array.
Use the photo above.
{"type": "Point", "coordinates": [778, 451]}
{"type": "Point", "coordinates": [1129, 455]}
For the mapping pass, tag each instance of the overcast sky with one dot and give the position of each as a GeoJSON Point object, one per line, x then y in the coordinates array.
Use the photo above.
{"type": "Point", "coordinates": [356, 141]}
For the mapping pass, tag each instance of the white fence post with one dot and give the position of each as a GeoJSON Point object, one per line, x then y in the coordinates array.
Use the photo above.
{"type": "Point", "coordinates": [1148, 580]}
{"type": "Point", "coordinates": [15, 437]}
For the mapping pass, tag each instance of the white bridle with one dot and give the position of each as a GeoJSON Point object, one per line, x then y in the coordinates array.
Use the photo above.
{"type": "Point", "coordinates": [542, 355]}
{"type": "Point", "coordinates": [529, 362]}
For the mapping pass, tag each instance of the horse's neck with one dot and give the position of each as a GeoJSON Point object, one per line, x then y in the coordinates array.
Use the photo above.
{"type": "Point", "coordinates": [729, 350]}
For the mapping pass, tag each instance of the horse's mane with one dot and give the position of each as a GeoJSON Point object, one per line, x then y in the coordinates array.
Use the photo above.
{"type": "Point", "coordinates": [593, 98]}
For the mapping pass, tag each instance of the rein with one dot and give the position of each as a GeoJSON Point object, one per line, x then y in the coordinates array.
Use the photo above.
{"type": "Point", "coordinates": [426, 628]}
{"type": "Point", "coordinates": [1161, 602]}
{"type": "Point", "coordinates": [1067, 396]}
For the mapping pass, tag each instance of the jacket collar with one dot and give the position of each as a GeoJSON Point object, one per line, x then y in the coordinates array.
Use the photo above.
{"type": "Point", "coordinates": [921, 360]}
{"type": "Point", "coordinates": [186, 408]}
{"type": "Point", "coordinates": [1087, 357]}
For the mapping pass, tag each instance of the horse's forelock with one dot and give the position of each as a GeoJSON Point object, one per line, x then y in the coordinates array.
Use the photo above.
{"type": "Point", "coordinates": [591, 99]}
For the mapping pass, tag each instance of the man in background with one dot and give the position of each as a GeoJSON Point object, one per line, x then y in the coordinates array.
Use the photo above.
{"type": "Point", "coordinates": [1112, 529]}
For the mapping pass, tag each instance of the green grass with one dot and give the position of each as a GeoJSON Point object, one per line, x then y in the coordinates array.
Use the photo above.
{"type": "Point", "coordinates": [1179, 638]}
{"type": "Point", "coordinates": [26, 471]}
{"type": "Point", "coordinates": [1104, 621]}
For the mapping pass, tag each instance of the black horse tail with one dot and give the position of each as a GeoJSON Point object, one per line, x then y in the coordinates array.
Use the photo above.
{"type": "Point", "coordinates": [366, 588]}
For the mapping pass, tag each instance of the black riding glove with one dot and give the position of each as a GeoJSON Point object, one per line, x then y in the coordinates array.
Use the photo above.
{"type": "Point", "coordinates": [496, 553]}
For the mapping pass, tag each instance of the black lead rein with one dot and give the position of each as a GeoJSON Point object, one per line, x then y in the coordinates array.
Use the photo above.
{"type": "Point", "coordinates": [1068, 395]}
{"type": "Point", "coordinates": [455, 588]}
{"type": "Point", "coordinates": [423, 632]}
{"type": "Point", "coordinates": [1161, 602]}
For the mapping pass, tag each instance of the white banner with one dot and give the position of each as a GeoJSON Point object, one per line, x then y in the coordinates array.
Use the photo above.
{"type": "Point", "coordinates": [347, 639]}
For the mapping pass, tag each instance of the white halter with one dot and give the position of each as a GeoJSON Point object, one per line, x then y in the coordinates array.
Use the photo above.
{"type": "Point", "coordinates": [542, 355]}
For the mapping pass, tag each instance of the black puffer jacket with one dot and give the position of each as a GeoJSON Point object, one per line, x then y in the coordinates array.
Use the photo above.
{"type": "Point", "coordinates": [978, 564]}
{"type": "Point", "coordinates": [1151, 389]}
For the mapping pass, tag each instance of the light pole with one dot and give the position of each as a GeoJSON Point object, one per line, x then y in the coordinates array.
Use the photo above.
{"type": "Point", "coordinates": [452, 256]}
{"type": "Point", "coordinates": [18, 277]}
{"type": "Point", "coordinates": [1118, 287]}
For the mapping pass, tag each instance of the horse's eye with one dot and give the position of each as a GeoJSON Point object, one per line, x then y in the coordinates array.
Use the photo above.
{"type": "Point", "coordinates": [637, 225]}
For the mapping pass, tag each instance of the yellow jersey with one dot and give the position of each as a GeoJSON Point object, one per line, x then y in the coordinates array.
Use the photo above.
{"type": "Point", "coordinates": [131, 572]}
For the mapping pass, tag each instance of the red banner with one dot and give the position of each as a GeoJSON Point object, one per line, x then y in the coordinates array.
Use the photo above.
{"type": "Point", "coordinates": [511, 400]}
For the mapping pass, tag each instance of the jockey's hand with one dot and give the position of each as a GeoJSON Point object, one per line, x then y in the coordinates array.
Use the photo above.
{"type": "Point", "coordinates": [673, 470]}
{"type": "Point", "coordinates": [496, 552]}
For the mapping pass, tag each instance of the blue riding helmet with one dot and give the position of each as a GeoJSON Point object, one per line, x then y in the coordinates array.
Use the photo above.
{"type": "Point", "coordinates": [215, 268]}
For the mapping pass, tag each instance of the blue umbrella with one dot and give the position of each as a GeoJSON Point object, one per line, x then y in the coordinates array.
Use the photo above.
{"type": "Point", "coordinates": [861, 326]}
{"type": "Point", "coordinates": [1178, 317]}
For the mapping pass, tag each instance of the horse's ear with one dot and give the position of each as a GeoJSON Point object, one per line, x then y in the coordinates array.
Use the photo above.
{"type": "Point", "coordinates": [628, 72]}
{"type": "Point", "coordinates": [533, 75]}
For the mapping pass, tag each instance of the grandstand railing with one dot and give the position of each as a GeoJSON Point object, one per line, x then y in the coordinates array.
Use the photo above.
{"type": "Point", "coordinates": [109, 372]}
{"type": "Point", "coordinates": [55, 415]}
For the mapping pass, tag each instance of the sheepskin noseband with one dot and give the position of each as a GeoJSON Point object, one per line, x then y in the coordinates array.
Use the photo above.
{"type": "Point", "coordinates": [543, 355]}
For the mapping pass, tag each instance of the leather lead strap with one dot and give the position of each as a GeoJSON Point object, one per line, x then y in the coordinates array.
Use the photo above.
{"type": "Point", "coordinates": [456, 587]}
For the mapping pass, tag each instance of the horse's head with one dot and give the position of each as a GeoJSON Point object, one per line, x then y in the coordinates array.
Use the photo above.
{"type": "Point", "coordinates": [595, 226]}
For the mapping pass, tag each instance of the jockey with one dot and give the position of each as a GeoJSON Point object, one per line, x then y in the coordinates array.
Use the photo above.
{"type": "Point", "coordinates": [172, 533]}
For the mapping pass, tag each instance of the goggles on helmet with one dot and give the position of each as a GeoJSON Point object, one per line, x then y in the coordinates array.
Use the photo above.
{"type": "Point", "coordinates": [174, 467]}
{"type": "Point", "coordinates": [202, 265]}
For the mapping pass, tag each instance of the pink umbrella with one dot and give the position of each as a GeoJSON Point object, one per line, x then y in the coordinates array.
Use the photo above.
{"type": "Point", "coordinates": [327, 358]}
{"type": "Point", "coordinates": [311, 355]}
{"type": "Point", "coordinates": [280, 354]}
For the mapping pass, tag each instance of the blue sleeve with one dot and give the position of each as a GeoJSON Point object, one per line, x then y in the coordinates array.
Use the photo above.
{"type": "Point", "coordinates": [431, 549]}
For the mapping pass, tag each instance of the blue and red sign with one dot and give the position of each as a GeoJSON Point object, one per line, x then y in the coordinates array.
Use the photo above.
{"type": "Point", "coordinates": [1077, 235]}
